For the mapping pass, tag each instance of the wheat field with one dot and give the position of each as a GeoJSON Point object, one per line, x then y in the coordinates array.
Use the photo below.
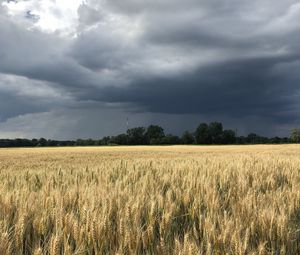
{"type": "Point", "coordinates": [150, 200]}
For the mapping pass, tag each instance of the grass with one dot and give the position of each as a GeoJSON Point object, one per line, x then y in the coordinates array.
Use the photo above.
{"type": "Point", "coordinates": [150, 200]}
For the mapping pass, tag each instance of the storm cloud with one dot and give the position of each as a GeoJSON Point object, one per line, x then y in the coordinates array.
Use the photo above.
{"type": "Point", "coordinates": [182, 61]}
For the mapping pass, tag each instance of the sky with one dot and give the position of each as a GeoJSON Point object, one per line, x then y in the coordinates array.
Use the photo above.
{"type": "Point", "coordinates": [79, 69]}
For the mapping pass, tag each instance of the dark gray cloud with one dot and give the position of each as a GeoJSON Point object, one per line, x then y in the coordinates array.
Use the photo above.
{"type": "Point", "coordinates": [88, 15]}
{"type": "Point", "coordinates": [235, 61]}
{"type": "Point", "coordinates": [234, 88]}
{"type": "Point", "coordinates": [10, 109]}
{"type": "Point", "coordinates": [19, 95]}
{"type": "Point", "coordinates": [32, 16]}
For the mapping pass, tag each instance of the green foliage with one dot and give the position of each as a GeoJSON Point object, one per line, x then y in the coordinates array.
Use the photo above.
{"type": "Point", "coordinates": [215, 130]}
{"type": "Point", "coordinates": [154, 133]}
{"type": "Point", "coordinates": [202, 134]}
{"type": "Point", "coordinates": [187, 138]}
{"type": "Point", "coordinates": [170, 139]}
{"type": "Point", "coordinates": [136, 135]}
{"type": "Point", "coordinates": [295, 135]}
{"type": "Point", "coordinates": [228, 137]}
{"type": "Point", "coordinates": [121, 139]}
{"type": "Point", "coordinates": [211, 133]}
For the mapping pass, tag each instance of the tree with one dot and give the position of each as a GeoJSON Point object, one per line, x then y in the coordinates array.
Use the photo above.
{"type": "Point", "coordinates": [276, 140]}
{"type": "Point", "coordinates": [154, 133]}
{"type": "Point", "coordinates": [241, 140]}
{"type": "Point", "coordinates": [216, 132]}
{"type": "Point", "coordinates": [295, 135]}
{"type": "Point", "coordinates": [170, 139]}
{"type": "Point", "coordinates": [121, 139]}
{"type": "Point", "coordinates": [187, 138]}
{"type": "Point", "coordinates": [202, 134]}
{"type": "Point", "coordinates": [34, 142]}
{"type": "Point", "coordinates": [42, 142]}
{"type": "Point", "coordinates": [252, 138]}
{"type": "Point", "coordinates": [105, 140]}
{"type": "Point", "coordinates": [136, 135]}
{"type": "Point", "coordinates": [228, 137]}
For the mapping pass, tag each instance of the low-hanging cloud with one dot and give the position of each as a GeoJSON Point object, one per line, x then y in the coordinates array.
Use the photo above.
{"type": "Point", "coordinates": [234, 60]}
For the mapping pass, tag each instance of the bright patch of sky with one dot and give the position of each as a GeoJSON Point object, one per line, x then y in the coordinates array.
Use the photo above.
{"type": "Point", "coordinates": [47, 15]}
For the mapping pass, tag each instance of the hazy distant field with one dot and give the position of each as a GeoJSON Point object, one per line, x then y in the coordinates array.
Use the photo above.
{"type": "Point", "coordinates": [150, 200]}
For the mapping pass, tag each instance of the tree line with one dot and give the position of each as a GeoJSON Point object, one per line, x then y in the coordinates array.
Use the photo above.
{"type": "Point", "coordinates": [205, 134]}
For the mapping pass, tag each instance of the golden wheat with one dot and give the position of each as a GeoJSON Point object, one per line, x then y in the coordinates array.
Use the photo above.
{"type": "Point", "coordinates": [150, 200]}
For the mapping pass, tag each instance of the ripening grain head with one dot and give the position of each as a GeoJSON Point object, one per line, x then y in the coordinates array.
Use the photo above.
{"type": "Point", "coordinates": [150, 200]}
